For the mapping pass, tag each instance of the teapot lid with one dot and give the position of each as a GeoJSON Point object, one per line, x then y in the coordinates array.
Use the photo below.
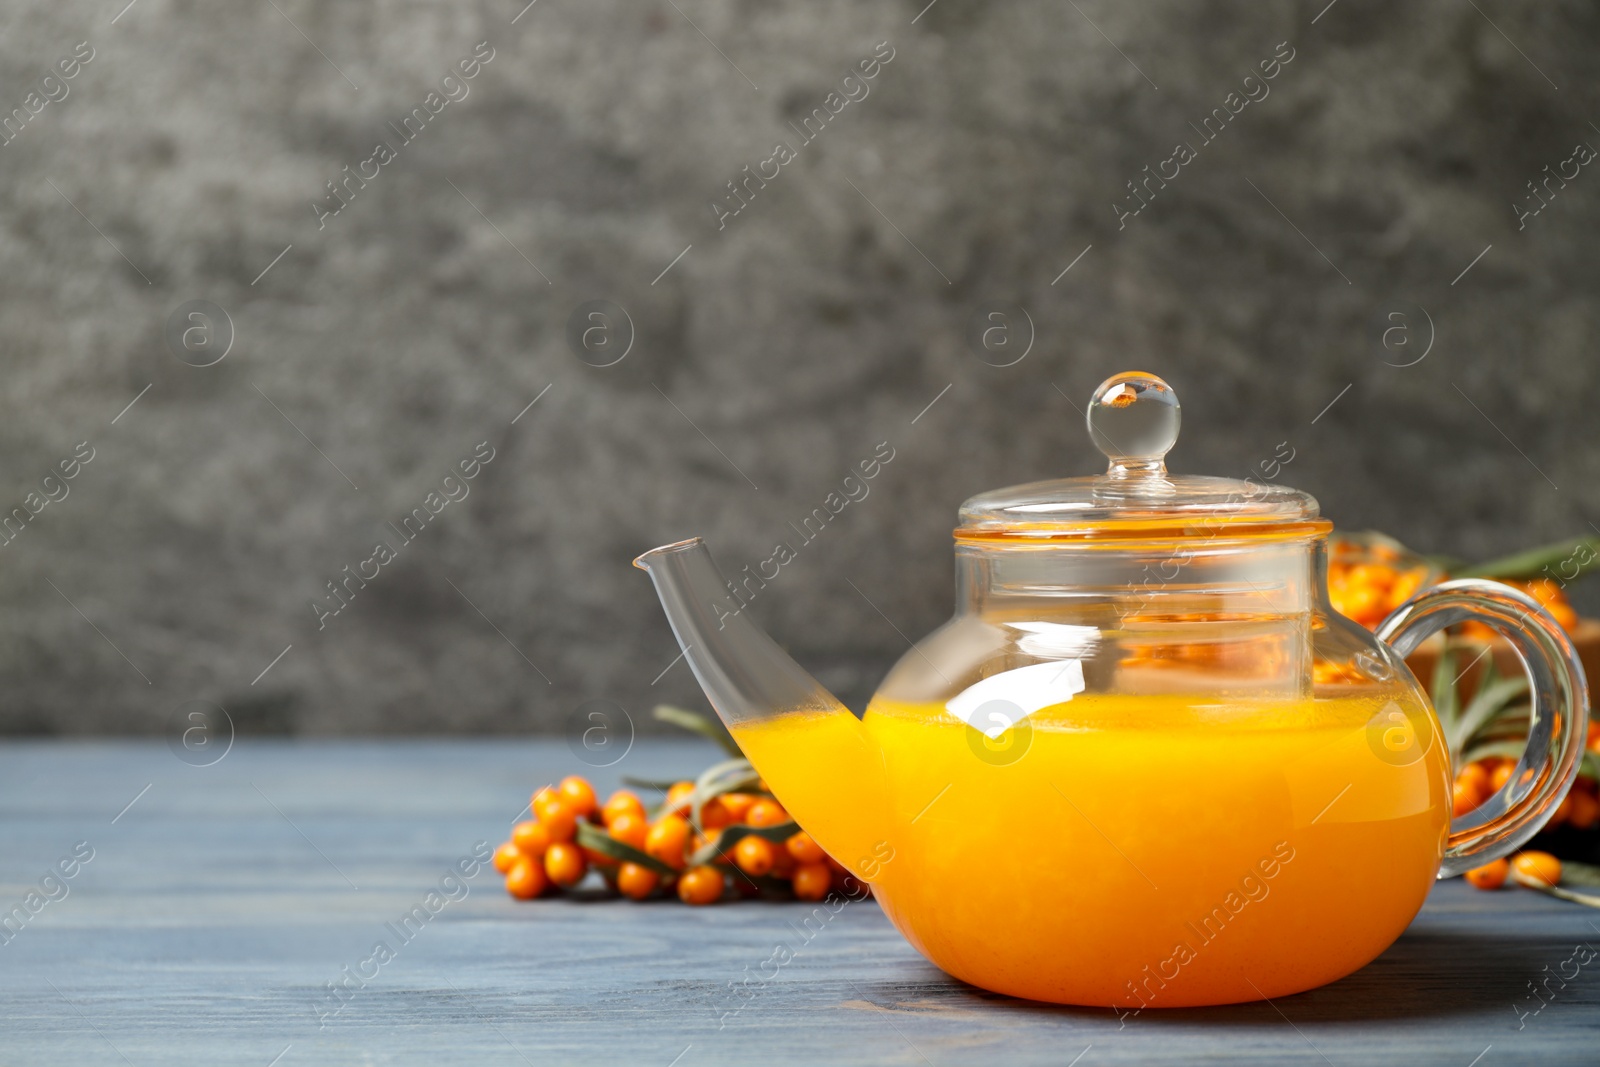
{"type": "Point", "coordinates": [1133, 419]}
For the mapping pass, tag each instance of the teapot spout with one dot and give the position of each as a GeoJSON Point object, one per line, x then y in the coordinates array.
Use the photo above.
{"type": "Point", "coordinates": [744, 673]}
{"type": "Point", "coordinates": [796, 733]}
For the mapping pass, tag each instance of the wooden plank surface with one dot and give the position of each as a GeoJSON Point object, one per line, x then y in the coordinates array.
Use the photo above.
{"type": "Point", "coordinates": [217, 908]}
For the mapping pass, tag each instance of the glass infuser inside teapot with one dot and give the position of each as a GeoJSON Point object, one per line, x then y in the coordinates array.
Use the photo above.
{"type": "Point", "coordinates": [1145, 764]}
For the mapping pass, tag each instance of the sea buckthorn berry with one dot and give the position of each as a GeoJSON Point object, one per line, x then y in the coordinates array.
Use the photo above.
{"type": "Point", "coordinates": [1502, 774]}
{"type": "Point", "coordinates": [541, 798]}
{"type": "Point", "coordinates": [812, 881]}
{"type": "Point", "coordinates": [1363, 603]}
{"type": "Point", "coordinates": [803, 848]}
{"type": "Point", "coordinates": [1404, 586]}
{"type": "Point", "coordinates": [577, 794]}
{"type": "Point", "coordinates": [1537, 867]}
{"type": "Point", "coordinates": [665, 840]}
{"type": "Point", "coordinates": [766, 812]}
{"type": "Point", "coordinates": [531, 838]}
{"type": "Point", "coordinates": [630, 829]}
{"type": "Point", "coordinates": [753, 855]}
{"type": "Point", "coordinates": [526, 879]}
{"type": "Point", "coordinates": [737, 805]}
{"type": "Point", "coordinates": [1476, 775]}
{"type": "Point", "coordinates": [1489, 876]}
{"type": "Point", "coordinates": [700, 885]}
{"type": "Point", "coordinates": [1373, 574]}
{"type": "Point", "coordinates": [636, 882]}
{"type": "Point", "coordinates": [714, 815]}
{"type": "Point", "coordinates": [1585, 809]}
{"type": "Point", "coordinates": [506, 857]}
{"type": "Point", "coordinates": [619, 802]}
{"type": "Point", "coordinates": [1464, 798]}
{"type": "Point", "coordinates": [565, 864]}
{"type": "Point", "coordinates": [1563, 810]}
{"type": "Point", "coordinates": [559, 821]}
{"type": "Point", "coordinates": [678, 798]}
{"type": "Point", "coordinates": [1594, 734]}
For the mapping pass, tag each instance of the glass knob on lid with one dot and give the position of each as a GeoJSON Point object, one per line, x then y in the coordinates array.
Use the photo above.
{"type": "Point", "coordinates": [1133, 419]}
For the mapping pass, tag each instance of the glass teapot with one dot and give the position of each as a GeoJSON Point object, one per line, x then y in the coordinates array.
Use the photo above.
{"type": "Point", "coordinates": [1146, 764]}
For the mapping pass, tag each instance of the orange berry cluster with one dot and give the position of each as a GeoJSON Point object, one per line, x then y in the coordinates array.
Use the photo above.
{"type": "Point", "coordinates": [1539, 867]}
{"type": "Point", "coordinates": [1481, 779]}
{"type": "Point", "coordinates": [641, 854]}
{"type": "Point", "coordinates": [1367, 592]}
{"type": "Point", "coordinates": [1580, 809]}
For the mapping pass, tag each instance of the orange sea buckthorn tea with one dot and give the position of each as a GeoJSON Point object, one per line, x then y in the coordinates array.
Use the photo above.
{"type": "Point", "coordinates": [1160, 846]}
{"type": "Point", "coordinates": [1145, 764]}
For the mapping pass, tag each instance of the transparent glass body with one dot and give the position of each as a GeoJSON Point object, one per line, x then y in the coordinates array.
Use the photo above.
{"type": "Point", "coordinates": [1239, 793]}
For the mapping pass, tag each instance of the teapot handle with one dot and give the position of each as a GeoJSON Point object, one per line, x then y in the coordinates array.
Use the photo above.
{"type": "Point", "coordinates": [1557, 727]}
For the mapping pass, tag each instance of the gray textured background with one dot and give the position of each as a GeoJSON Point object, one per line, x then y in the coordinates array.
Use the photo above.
{"type": "Point", "coordinates": [813, 327]}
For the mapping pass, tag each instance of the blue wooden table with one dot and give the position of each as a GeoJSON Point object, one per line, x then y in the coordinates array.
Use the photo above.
{"type": "Point", "coordinates": [229, 915]}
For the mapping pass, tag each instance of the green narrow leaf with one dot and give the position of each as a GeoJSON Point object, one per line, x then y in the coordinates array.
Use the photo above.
{"type": "Point", "coordinates": [1532, 563]}
{"type": "Point", "coordinates": [595, 837]}
{"type": "Point", "coordinates": [1585, 899]}
{"type": "Point", "coordinates": [732, 835]}
{"type": "Point", "coordinates": [1487, 704]}
{"type": "Point", "coordinates": [1590, 765]}
{"type": "Point", "coordinates": [1443, 690]}
{"type": "Point", "coordinates": [1512, 726]}
{"type": "Point", "coordinates": [729, 776]}
{"type": "Point", "coordinates": [1584, 874]}
{"type": "Point", "coordinates": [1512, 749]}
{"type": "Point", "coordinates": [646, 783]}
{"type": "Point", "coordinates": [1491, 670]}
{"type": "Point", "coordinates": [696, 723]}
